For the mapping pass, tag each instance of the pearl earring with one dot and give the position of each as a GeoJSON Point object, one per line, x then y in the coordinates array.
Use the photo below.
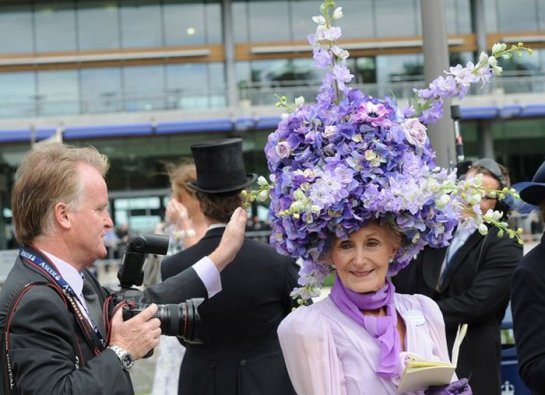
{"type": "Point", "coordinates": [391, 260]}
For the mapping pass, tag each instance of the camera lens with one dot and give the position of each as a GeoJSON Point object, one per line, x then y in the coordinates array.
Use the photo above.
{"type": "Point", "coordinates": [180, 320]}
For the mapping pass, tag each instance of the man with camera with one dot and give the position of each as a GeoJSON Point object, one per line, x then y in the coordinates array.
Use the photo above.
{"type": "Point", "coordinates": [240, 350]}
{"type": "Point", "coordinates": [54, 338]}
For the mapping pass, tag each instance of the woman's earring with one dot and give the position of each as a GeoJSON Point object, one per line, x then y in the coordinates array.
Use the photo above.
{"type": "Point", "coordinates": [391, 260]}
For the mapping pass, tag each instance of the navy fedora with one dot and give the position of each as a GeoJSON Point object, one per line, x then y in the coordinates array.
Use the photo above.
{"type": "Point", "coordinates": [533, 192]}
{"type": "Point", "coordinates": [220, 167]}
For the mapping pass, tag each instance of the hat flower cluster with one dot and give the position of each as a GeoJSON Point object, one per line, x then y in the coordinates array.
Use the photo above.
{"type": "Point", "coordinates": [351, 158]}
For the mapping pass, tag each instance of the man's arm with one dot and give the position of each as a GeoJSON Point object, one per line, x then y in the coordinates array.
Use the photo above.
{"type": "Point", "coordinates": [42, 352]}
{"type": "Point", "coordinates": [189, 283]}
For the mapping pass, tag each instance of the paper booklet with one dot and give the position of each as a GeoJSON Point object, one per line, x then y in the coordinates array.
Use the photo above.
{"type": "Point", "coordinates": [419, 374]}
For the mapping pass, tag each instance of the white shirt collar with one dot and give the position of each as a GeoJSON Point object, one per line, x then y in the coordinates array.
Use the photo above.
{"type": "Point", "coordinates": [68, 272]}
{"type": "Point", "coordinates": [216, 226]}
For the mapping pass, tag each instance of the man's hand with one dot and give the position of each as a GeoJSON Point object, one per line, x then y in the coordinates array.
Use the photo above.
{"type": "Point", "coordinates": [232, 239]}
{"type": "Point", "coordinates": [138, 335]}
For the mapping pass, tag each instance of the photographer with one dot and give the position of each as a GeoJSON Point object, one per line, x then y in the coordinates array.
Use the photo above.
{"type": "Point", "coordinates": [50, 305]}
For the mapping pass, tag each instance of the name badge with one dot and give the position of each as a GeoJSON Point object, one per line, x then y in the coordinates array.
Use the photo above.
{"type": "Point", "coordinates": [415, 317]}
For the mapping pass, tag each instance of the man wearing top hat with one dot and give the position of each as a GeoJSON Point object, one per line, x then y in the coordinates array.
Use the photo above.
{"type": "Point", "coordinates": [240, 352]}
{"type": "Point", "coordinates": [528, 296]}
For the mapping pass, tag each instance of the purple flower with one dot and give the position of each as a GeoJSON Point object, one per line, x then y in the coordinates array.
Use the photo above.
{"type": "Point", "coordinates": [283, 149]}
{"type": "Point", "coordinates": [415, 132]}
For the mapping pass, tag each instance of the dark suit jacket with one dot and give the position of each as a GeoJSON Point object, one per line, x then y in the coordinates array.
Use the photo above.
{"type": "Point", "coordinates": [42, 333]}
{"type": "Point", "coordinates": [475, 291]}
{"type": "Point", "coordinates": [528, 307]}
{"type": "Point", "coordinates": [240, 353]}
{"type": "Point", "coordinates": [44, 330]}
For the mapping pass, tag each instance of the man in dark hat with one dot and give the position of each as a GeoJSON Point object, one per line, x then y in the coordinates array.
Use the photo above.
{"type": "Point", "coordinates": [471, 281]}
{"type": "Point", "coordinates": [240, 352]}
{"type": "Point", "coordinates": [528, 297]}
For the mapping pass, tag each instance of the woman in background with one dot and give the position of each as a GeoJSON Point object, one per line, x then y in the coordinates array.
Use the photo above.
{"type": "Point", "coordinates": [186, 225]}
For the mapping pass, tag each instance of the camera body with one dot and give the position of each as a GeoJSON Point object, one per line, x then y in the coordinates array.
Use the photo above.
{"type": "Point", "coordinates": [180, 319]}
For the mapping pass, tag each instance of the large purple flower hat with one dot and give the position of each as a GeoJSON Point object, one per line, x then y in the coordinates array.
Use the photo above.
{"type": "Point", "coordinates": [350, 158]}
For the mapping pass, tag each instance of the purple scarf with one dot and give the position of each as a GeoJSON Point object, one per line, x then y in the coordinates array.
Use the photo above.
{"type": "Point", "coordinates": [384, 329]}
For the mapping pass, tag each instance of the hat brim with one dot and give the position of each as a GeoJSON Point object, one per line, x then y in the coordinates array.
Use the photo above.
{"type": "Point", "coordinates": [531, 192]}
{"type": "Point", "coordinates": [250, 179]}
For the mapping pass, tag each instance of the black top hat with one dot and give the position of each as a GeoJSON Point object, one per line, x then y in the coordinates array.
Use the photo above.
{"type": "Point", "coordinates": [533, 192]}
{"type": "Point", "coordinates": [220, 167]}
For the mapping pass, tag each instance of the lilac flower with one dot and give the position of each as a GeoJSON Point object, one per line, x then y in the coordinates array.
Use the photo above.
{"type": "Point", "coordinates": [351, 158]}
{"type": "Point", "coordinates": [415, 132]}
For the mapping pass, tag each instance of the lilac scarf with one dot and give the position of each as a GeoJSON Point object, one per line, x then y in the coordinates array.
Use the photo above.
{"type": "Point", "coordinates": [384, 329]}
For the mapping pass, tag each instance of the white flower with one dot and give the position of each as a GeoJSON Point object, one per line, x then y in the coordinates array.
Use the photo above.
{"type": "Point", "coordinates": [283, 149]}
{"type": "Point", "coordinates": [498, 47]}
{"type": "Point", "coordinates": [320, 20]}
{"type": "Point", "coordinates": [263, 195]}
{"type": "Point", "coordinates": [415, 132]}
{"type": "Point", "coordinates": [299, 101]}
{"type": "Point", "coordinates": [330, 131]}
{"type": "Point", "coordinates": [483, 229]}
{"type": "Point", "coordinates": [338, 13]}
{"type": "Point", "coordinates": [262, 181]}
{"type": "Point", "coordinates": [340, 53]}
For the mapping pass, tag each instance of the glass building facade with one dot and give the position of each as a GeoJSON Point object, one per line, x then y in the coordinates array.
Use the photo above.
{"type": "Point", "coordinates": [97, 63]}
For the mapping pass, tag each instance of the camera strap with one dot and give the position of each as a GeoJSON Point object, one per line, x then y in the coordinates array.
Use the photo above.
{"type": "Point", "coordinates": [9, 374]}
{"type": "Point", "coordinates": [47, 268]}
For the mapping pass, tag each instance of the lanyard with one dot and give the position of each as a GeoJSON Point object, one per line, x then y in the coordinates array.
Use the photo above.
{"type": "Point", "coordinates": [49, 269]}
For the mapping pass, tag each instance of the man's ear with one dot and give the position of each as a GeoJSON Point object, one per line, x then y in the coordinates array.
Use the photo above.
{"type": "Point", "coordinates": [62, 215]}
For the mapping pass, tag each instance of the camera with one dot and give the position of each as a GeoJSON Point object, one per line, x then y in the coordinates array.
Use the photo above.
{"type": "Point", "coordinates": [181, 319]}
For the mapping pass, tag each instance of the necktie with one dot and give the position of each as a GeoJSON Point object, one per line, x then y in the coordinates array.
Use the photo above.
{"type": "Point", "coordinates": [94, 306]}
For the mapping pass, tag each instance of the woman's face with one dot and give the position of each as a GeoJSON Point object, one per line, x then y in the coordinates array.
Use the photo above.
{"type": "Point", "coordinates": [362, 260]}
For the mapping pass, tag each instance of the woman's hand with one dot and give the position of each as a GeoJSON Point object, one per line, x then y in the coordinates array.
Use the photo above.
{"type": "Point", "coordinates": [460, 387]}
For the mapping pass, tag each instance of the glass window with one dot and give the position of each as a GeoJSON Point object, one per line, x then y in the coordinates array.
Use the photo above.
{"type": "Point", "coordinates": [100, 90]}
{"type": "Point", "coordinates": [397, 74]}
{"type": "Point", "coordinates": [520, 15]}
{"type": "Point", "coordinates": [458, 16]}
{"type": "Point", "coordinates": [214, 24]}
{"type": "Point", "coordinates": [58, 93]}
{"type": "Point", "coordinates": [240, 21]}
{"type": "Point", "coordinates": [55, 26]}
{"type": "Point", "coordinates": [268, 21]}
{"type": "Point", "coordinates": [144, 88]}
{"type": "Point", "coordinates": [16, 29]}
{"type": "Point", "coordinates": [301, 13]}
{"type": "Point", "coordinates": [216, 72]}
{"type": "Point", "coordinates": [98, 26]}
{"type": "Point", "coordinates": [365, 71]}
{"type": "Point", "coordinates": [192, 23]}
{"type": "Point", "coordinates": [541, 16]}
{"type": "Point", "coordinates": [141, 24]}
{"type": "Point", "coordinates": [285, 72]}
{"type": "Point", "coordinates": [195, 85]}
{"type": "Point", "coordinates": [396, 68]}
{"type": "Point", "coordinates": [397, 18]}
{"type": "Point", "coordinates": [17, 98]}
{"type": "Point", "coordinates": [490, 15]}
{"type": "Point", "coordinates": [358, 20]}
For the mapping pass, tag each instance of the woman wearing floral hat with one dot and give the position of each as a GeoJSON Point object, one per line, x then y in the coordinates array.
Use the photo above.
{"type": "Point", "coordinates": [355, 185]}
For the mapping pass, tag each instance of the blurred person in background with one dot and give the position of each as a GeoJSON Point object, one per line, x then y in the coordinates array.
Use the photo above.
{"type": "Point", "coordinates": [528, 296]}
{"type": "Point", "coordinates": [471, 282]}
{"type": "Point", "coordinates": [185, 224]}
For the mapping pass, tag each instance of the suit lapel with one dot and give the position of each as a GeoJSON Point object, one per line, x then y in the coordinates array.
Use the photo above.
{"type": "Point", "coordinates": [431, 265]}
{"type": "Point", "coordinates": [460, 256]}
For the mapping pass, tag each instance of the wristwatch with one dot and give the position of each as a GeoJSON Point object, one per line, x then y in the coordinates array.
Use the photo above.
{"type": "Point", "coordinates": [124, 356]}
